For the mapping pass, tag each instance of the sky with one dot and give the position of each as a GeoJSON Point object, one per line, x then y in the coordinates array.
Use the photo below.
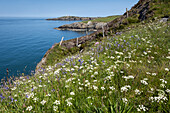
{"type": "Point", "coordinates": [57, 8]}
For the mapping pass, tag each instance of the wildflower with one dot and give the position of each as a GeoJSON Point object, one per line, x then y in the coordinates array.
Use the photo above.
{"type": "Point", "coordinates": [80, 88]}
{"type": "Point", "coordinates": [43, 102]}
{"type": "Point", "coordinates": [55, 108]}
{"type": "Point", "coordinates": [154, 74]}
{"type": "Point", "coordinates": [166, 69]}
{"type": "Point", "coordinates": [112, 88]}
{"type": "Point", "coordinates": [144, 82]}
{"type": "Point", "coordinates": [128, 77]}
{"type": "Point", "coordinates": [96, 43]}
{"type": "Point", "coordinates": [163, 81]}
{"type": "Point", "coordinates": [69, 103]}
{"type": "Point", "coordinates": [137, 92]}
{"type": "Point", "coordinates": [168, 91]}
{"type": "Point", "coordinates": [145, 53]}
{"type": "Point", "coordinates": [162, 85]}
{"type": "Point", "coordinates": [92, 76]}
{"type": "Point", "coordinates": [96, 73]}
{"type": "Point", "coordinates": [95, 87]}
{"type": "Point", "coordinates": [14, 88]}
{"type": "Point", "coordinates": [57, 102]}
{"type": "Point", "coordinates": [29, 108]}
{"type": "Point", "coordinates": [48, 95]}
{"type": "Point", "coordinates": [102, 88]}
{"type": "Point", "coordinates": [72, 93]}
{"type": "Point", "coordinates": [142, 108]}
{"type": "Point", "coordinates": [125, 88]}
{"type": "Point", "coordinates": [124, 100]}
{"type": "Point", "coordinates": [89, 97]}
{"type": "Point", "coordinates": [35, 99]}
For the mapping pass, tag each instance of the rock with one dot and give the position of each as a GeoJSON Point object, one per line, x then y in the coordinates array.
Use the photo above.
{"type": "Point", "coordinates": [80, 26]}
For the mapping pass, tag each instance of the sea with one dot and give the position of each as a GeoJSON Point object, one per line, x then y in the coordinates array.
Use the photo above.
{"type": "Point", "coordinates": [24, 42]}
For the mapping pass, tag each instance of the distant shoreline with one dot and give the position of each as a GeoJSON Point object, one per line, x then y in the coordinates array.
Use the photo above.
{"type": "Point", "coordinates": [72, 18]}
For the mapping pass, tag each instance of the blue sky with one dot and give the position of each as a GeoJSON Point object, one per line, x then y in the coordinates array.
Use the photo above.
{"type": "Point", "coordinates": [56, 8]}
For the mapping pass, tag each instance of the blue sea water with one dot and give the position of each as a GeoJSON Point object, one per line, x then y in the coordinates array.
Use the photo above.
{"type": "Point", "coordinates": [24, 41]}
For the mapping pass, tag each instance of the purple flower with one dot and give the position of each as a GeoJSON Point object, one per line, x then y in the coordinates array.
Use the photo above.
{"type": "Point", "coordinates": [12, 99]}
{"type": "Point", "coordinates": [96, 43]}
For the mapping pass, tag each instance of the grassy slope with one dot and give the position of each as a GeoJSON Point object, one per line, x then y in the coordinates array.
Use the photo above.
{"type": "Point", "coordinates": [103, 19]}
{"type": "Point", "coordinates": [124, 73]}
{"type": "Point", "coordinates": [95, 80]}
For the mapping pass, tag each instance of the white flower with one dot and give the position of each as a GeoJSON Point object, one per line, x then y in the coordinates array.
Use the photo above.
{"type": "Point", "coordinates": [124, 100]}
{"type": "Point", "coordinates": [162, 85]}
{"type": "Point", "coordinates": [96, 73]}
{"type": "Point", "coordinates": [14, 88]}
{"type": "Point", "coordinates": [144, 82]}
{"type": "Point", "coordinates": [137, 92]}
{"type": "Point", "coordinates": [95, 87]}
{"type": "Point", "coordinates": [89, 97]}
{"type": "Point", "coordinates": [163, 81]}
{"type": "Point", "coordinates": [29, 108]}
{"type": "Point", "coordinates": [86, 81]}
{"type": "Point", "coordinates": [168, 90]}
{"type": "Point", "coordinates": [55, 108]}
{"type": "Point", "coordinates": [43, 102]}
{"type": "Point", "coordinates": [112, 88]}
{"type": "Point", "coordinates": [128, 77]}
{"type": "Point", "coordinates": [102, 88]}
{"type": "Point", "coordinates": [69, 103]}
{"type": "Point", "coordinates": [35, 99]}
{"type": "Point", "coordinates": [57, 102]}
{"type": "Point", "coordinates": [92, 76]}
{"type": "Point", "coordinates": [142, 108]}
{"type": "Point", "coordinates": [145, 53]}
{"type": "Point", "coordinates": [166, 69]}
{"type": "Point", "coordinates": [94, 80]}
{"type": "Point", "coordinates": [154, 74]}
{"type": "Point", "coordinates": [72, 93]}
{"type": "Point", "coordinates": [125, 88]}
{"type": "Point", "coordinates": [80, 88]}
{"type": "Point", "coordinates": [48, 95]}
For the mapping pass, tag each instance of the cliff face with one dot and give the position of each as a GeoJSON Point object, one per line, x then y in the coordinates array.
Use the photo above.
{"type": "Point", "coordinates": [140, 12]}
{"type": "Point", "coordinates": [80, 26]}
{"type": "Point", "coordinates": [72, 18]}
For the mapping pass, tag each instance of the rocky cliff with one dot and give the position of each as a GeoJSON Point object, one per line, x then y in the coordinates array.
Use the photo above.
{"type": "Point", "coordinates": [80, 26]}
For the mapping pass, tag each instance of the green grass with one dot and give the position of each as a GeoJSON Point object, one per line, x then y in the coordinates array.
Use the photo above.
{"type": "Point", "coordinates": [103, 19]}
{"type": "Point", "coordinates": [160, 8]}
{"type": "Point", "coordinates": [122, 73]}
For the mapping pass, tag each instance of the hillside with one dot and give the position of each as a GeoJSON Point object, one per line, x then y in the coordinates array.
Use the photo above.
{"type": "Point", "coordinates": [125, 71]}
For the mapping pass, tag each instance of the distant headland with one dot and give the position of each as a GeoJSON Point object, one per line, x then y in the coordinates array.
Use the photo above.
{"type": "Point", "coordinates": [73, 18]}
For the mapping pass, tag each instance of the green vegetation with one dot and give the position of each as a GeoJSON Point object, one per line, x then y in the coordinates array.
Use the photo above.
{"type": "Point", "coordinates": [126, 72]}
{"type": "Point", "coordinates": [123, 73]}
{"type": "Point", "coordinates": [160, 8]}
{"type": "Point", "coordinates": [103, 19]}
{"type": "Point", "coordinates": [58, 53]}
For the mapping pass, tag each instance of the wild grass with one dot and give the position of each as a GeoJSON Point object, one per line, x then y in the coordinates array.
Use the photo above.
{"type": "Point", "coordinates": [122, 73]}
{"type": "Point", "coordinates": [103, 19]}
